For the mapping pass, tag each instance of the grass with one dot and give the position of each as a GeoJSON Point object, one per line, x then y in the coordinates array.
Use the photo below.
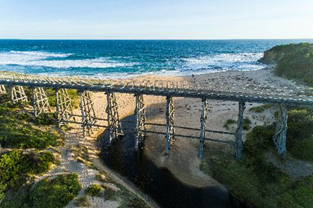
{"type": "Point", "coordinates": [57, 192]}
{"type": "Point", "coordinates": [20, 130]}
{"type": "Point", "coordinates": [259, 109]}
{"type": "Point", "coordinates": [93, 190]}
{"type": "Point", "coordinates": [259, 183]}
{"type": "Point", "coordinates": [17, 197]}
{"type": "Point", "coordinates": [51, 96]}
{"type": "Point", "coordinates": [229, 122]}
{"type": "Point", "coordinates": [71, 93]}
{"type": "Point", "coordinates": [16, 167]}
{"type": "Point", "coordinates": [82, 202]}
{"type": "Point", "coordinates": [246, 124]}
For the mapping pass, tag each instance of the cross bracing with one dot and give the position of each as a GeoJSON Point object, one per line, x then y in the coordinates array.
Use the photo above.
{"type": "Point", "coordinates": [18, 94]}
{"type": "Point", "coordinates": [87, 112]}
{"type": "Point", "coordinates": [63, 104]}
{"type": "Point", "coordinates": [40, 101]}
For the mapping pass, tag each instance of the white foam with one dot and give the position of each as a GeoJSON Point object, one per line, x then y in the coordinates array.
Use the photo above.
{"type": "Point", "coordinates": [224, 61]}
{"type": "Point", "coordinates": [31, 58]}
{"type": "Point", "coordinates": [36, 54]}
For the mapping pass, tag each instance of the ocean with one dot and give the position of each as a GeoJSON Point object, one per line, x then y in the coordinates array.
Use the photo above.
{"type": "Point", "coordinates": [125, 58]}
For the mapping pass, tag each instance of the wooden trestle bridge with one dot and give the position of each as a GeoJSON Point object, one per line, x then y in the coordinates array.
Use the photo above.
{"type": "Point", "coordinates": [13, 84]}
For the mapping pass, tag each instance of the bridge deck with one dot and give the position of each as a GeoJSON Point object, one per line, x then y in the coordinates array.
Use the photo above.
{"type": "Point", "coordinates": [258, 94]}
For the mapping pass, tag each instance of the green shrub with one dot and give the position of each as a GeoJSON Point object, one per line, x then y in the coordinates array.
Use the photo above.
{"type": "Point", "coordinates": [82, 202]}
{"type": "Point", "coordinates": [11, 170]}
{"type": "Point", "coordinates": [46, 119]}
{"type": "Point", "coordinates": [16, 134]}
{"type": "Point", "coordinates": [260, 109]}
{"type": "Point", "coordinates": [299, 134]}
{"type": "Point", "coordinates": [258, 140]}
{"type": "Point", "coordinates": [229, 122]}
{"type": "Point", "coordinates": [71, 93]}
{"type": "Point", "coordinates": [17, 197]}
{"type": "Point", "coordinates": [16, 166]}
{"type": "Point", "coordinates": [246, 124]}
{"type": "Point", "coordinates": [294, 61]}
{"type": "Point", "coordinates": [93, 190]}
{"type": "Point", "coordinates": [260, 183]}
{"type": "Point", "coordinates": [57, 192]}
{"type": "Point", "coordinates": [40, 162]}
{"type": "Point", "coordinates": [18, 131]}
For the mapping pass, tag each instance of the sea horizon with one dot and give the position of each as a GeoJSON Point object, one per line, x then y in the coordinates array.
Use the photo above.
{"type": "Point", "coordinates": [119, 58]}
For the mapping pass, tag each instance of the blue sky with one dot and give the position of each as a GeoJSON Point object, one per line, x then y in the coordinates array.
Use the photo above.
{"type": "Point", "coordinates": [156, 19]}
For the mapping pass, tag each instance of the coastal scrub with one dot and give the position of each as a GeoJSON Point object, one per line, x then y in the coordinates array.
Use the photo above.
{"type": "Point", "coordinates": [257, 181]}
{"type": "Point", "coordinates": [293, 61]}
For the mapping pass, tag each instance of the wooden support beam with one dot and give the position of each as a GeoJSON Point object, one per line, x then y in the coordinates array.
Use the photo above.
{"type": "Point", "coordinates": [40, 101]}
{"type": "Point", "coordinates": [87, 112]}
{"type": "Point", "coordinates": [114, 122]}
{"type": "Point", "coordinates": [281, 131]}
{"type": "Point", "coordinates": [140, 113]}
{"type": "Point", "coordinates": [81, 106]}
{"type": "Point", "coordinates": [3, 90]}
{"type": "Point", "coordinates": [170, 133]}
{"type": "Point", "coordinates": [18, 94]}
{"type": "Point", "coordinates": [239, 134]}
{"type": "Point", "coordinates": [63, 104]}
{"type": "Point", "coordinates": [203, 120]}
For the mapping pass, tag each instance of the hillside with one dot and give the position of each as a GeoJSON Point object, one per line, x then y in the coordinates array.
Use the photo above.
{"type": "Point", "coordinates": [293, 61]}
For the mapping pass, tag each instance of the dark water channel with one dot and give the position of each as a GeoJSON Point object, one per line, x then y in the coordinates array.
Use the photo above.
{"type": "Point", "coordinates": [158, 183]}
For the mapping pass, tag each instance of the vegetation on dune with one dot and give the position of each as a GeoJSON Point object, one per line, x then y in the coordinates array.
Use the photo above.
{"type": "Point", "coordinates": [57, 192]}
{"type": "Point", "coordinates": [16, 167]}
{"type": "Point", "coordinates": [300, 134]}
{"type": "Point", "coordinates": [246, 124]}
{"type": "Point", "coordinates": [228, 123]}
{"type": "Point", "coordinates": [258, 182]}
{"type": "Point", "coordinates": [17, 197]}
{"type": "Point", "coordinates": [71, 93]}
{"type": "Point", "coordinates": [93, 190]}
{"type": "Point", "coordinates": [259, 109]}
{"type": "Point", "coordinates": [51, 96]}
{"type": "Point", "coordinates": [293, 61]}
{"type": "Point", "coordinates": [82, 202]}
{"type": "Point", "coordinates": [19, 129]}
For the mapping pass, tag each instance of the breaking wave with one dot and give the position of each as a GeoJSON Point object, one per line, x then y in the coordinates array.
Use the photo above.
{"type": "Point", "coordinates": [221, 62]}
{"type": "Point", "coordinates": [55, 60]}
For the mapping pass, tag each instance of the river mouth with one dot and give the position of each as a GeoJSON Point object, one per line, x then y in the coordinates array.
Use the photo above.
{"type": "Point", "coordinates": [159, 183]}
